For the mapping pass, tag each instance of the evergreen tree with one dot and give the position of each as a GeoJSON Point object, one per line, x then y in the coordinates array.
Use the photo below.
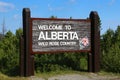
{"type": "Point", "coordinates": [110, 44]}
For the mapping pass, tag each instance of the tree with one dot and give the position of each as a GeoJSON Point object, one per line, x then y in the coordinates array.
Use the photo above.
{"type": "Point", "coordinates": [110, 44]}
{"type": "Point", "coordinates": [53, 17]}
{"type": "Point", "coordinates": [1, 36]}
{"type": "Point", "coordinates": [18, 34]}
{"type": "Point", "coordinates": [117, 35]}
{"type": "Point", "coordinates": [107, 40]}
{"type": "Point", "coordinates": [9, 53]}
{"type": "Point", "coordinates": [3, 27]}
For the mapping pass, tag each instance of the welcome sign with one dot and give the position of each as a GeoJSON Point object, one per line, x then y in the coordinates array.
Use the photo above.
{"type": "Point", "coordinates": [45, 35]}
{"type": "Point", "coordinates": [60, 35]}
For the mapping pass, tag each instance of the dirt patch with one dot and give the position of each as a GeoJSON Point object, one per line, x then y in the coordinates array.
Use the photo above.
{"type": "Point", "coordinates": [90, 76]}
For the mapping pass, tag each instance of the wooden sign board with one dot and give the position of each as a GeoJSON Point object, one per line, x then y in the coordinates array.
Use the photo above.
{"type": "Point", "coordinates": [45, 35]}
{"type": "Point", "coordinates": [60, 35]}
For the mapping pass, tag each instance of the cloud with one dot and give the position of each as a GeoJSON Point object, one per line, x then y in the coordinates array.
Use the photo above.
{"type": "Point", "coordinates": [50, 8]}
{"type": "Point", "coordinates": [112, 2]}
{"type": "Point", "coordinates": [72, 1]}
{"type": "Point", "coordinates": [16, 16]}
{"type": "Point", "coordinates": [5, 7]}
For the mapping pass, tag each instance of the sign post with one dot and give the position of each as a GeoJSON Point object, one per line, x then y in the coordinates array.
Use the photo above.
{"type": "Point", "coordinates": [95, 41]}
{"type": "Point", "coordinates": [27, 66]}
{"type": "Point", "coordinates": [45, 35]}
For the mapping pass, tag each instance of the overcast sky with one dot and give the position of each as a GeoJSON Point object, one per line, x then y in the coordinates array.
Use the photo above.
{"type": "Point", "coordinates": [108, 10]}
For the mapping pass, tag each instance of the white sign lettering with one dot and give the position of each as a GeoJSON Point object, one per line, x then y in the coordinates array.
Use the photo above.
{"type": "Point", "coordinates": [54, 35]}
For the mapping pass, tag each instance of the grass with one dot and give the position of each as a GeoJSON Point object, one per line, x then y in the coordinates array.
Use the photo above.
{"type": "Point", "coordinates": [5, 77]}
{"type": "Point", "coordinates": [103, 73]}
{"type": "Point", "coordinates": [50, 74]}
{"type": "Point", "coordinates": [56, 73]}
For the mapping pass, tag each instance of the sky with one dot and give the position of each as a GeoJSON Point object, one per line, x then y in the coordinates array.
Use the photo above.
{"type": "Point", "coordinates": [108, 10]}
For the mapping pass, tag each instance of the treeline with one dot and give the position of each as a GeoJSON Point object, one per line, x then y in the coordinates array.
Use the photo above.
{"type": "Point", "coordinates": [110, 50]}
{"type": "Point", "coordinates": [110, 55]}
{"type": "Point", "coordinates": [9, 53]}
{"type": "Point", "coordinates": [9, 57]}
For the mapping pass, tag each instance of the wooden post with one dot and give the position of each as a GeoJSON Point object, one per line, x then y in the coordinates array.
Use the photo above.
{"type": "Point", "coordinates": [29, 59]}
{"type": "Point", "coordinates": [90, 62]}
{"type": "Point", "coordinates": [21, 61]}
{"type": "Point", "coordinates": [95, 41]}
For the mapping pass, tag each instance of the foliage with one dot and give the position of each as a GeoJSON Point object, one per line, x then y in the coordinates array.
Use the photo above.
{"type": "Point", "coordinates": [53, 17]}
{"type": "Point", "coordinates": [110, 47]}
{"type": "Point", "coordinates": [110, 55]}
{"type": "Point", "coordinates": [56, 62]}
{"type": "Point", "coordinates": [9, 53]}
{"type": "Point", "coordinates": [5, 77]}
{"type": "Point", "coordinates": [9, 57]}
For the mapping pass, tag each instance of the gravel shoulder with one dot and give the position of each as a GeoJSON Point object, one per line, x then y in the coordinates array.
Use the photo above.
{"type": "Point", "coordinates": [87, 76]}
